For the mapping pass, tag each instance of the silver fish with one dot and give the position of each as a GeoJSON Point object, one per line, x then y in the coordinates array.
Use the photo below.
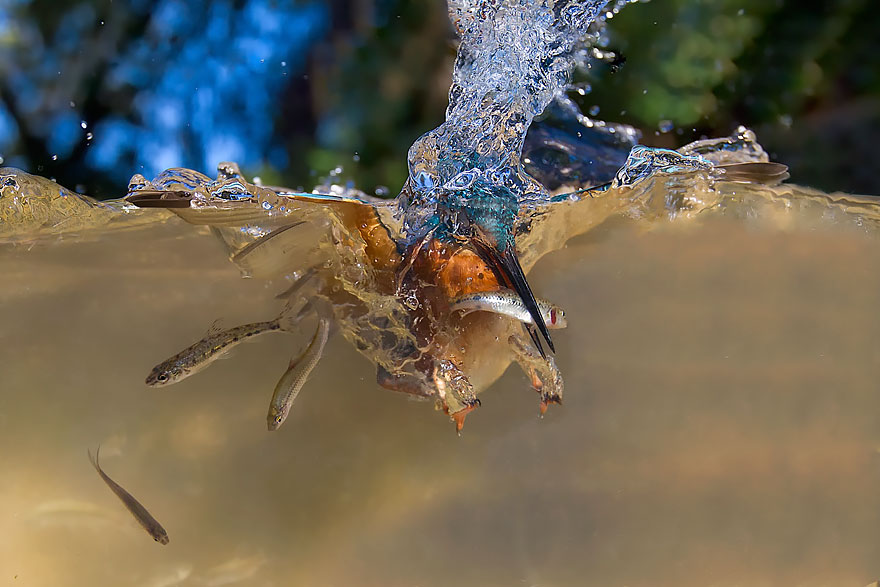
{"type": "Point", "coordinates": [295, 377]}
{"type": "Point", "coordinates": [507, 302]}
{"type": "Point", "coordinates": [149, 523]}
{"type": "Point", "coordinates": [197, 356]}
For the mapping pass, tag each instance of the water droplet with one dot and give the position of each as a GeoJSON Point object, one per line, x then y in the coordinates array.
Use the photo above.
{"type": "Point", "coordinates": [83, 124]}
{"type": "Point", "coordinates": [382, 191]}
{"type": "Point", "coordinates": [89, 136]}
{"type": "Point", "coordinates": [594, 110]}
{"type": "Point", "coordinates": [137, 182]}
{"type": "Point", "coordinates": [54, 157]}
{"type": "Point", "coordinates": [356, 157]}
{"type": "Point", "coordinates": [665, 125]}
{"type": "Point", "coordinates": [583, 89]}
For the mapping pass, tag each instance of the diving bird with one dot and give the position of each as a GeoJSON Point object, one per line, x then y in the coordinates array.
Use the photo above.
{"type": "Point", "coordinates": [473, 210]}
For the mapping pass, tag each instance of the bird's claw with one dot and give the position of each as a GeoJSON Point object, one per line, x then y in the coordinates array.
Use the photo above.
{"type": "Point", "coordinates": [459, 416]}
{"type": "Point", "coordinates": [547, 399]}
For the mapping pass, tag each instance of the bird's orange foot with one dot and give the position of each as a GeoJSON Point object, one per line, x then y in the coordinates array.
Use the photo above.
{"type": "Point", "coordinates": [547, 399]}
{"type": "Point", "coordinates": [459, 416]}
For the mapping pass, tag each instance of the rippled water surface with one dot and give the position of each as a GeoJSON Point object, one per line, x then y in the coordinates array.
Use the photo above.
{"type": "Point", "coordinates": [721, 425]}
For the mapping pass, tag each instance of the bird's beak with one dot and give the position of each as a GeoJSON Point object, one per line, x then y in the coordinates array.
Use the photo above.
{"type": "Point", "coordinates": [505, 263]}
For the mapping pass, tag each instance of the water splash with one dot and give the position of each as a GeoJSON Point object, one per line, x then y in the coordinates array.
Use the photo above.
{"type": "Point", "coordinates": [513, 60]}
{"type": "Point", "coordinates": [643, 162]}
{"type": "Point", "coordinates": [741, 147]}
{"type": "Point", "coordinates": [32, 207]}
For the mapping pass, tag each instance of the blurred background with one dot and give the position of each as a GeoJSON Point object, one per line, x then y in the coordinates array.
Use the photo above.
{"type": "Point", "coordinates": [92, 91]}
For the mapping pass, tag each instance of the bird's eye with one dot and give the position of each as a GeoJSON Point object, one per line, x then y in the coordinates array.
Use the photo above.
{"type": "Point", "coordinates": [462, 181]}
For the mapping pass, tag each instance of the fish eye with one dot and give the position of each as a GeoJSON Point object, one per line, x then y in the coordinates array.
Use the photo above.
{"type": "Point", "coordinates": [162, 377]}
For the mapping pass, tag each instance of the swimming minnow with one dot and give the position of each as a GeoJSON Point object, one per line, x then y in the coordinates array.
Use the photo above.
{"type": "Point", "coordinates": [507, 302]}
{"type": "Point", "coordinates": [149, 523]}
{"type": "Point", "coordinates": [196, 357]}
{"type": "Point", "coordinates": [292, 381]}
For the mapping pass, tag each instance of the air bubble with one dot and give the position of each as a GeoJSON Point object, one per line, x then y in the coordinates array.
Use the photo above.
{"type": "Point", "coordinates": [665, 126]}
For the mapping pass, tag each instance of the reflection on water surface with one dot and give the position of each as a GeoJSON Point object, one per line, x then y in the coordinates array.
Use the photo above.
{"type": "Point", "coordinates": [719, 425]}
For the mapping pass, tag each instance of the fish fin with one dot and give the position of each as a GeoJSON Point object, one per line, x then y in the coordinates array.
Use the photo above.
{"type": "Point", "coordinates": [216, 326]}
{"type": "Point", "coordinates": [298, 357]}
{"type": "Point", "coordinates": [506, 265]}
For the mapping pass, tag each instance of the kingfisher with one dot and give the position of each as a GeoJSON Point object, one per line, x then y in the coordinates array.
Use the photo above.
{"type": "Point", "coordinates": [476, 209]}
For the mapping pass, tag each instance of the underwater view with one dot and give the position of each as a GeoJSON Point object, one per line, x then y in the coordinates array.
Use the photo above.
{"type": "Point", "coordinates": [506, 292]}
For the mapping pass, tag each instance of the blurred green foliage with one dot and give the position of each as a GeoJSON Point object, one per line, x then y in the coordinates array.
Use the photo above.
{"type": "Point", "coordinates": [804, 75]}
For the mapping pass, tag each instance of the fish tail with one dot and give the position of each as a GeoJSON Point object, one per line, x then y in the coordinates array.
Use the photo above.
{"type": "Point", "coordinates": [94, 460]}
{"type": "Point", "coordinates": [298, 284]}
{"type": "Point", "coordinates": [289, 319]}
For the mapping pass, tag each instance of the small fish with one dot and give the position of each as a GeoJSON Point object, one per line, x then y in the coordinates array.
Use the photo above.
{"type": "Point", "coordinates": [149, 523]}
{"type": "Point", "coordinates": [196, 357]}
{"type": "Point", "coordinates": [509, 303]}
{"type": "Point", "coordinates": [292, 381]}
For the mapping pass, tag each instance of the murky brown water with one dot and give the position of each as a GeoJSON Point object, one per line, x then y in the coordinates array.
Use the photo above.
{"type": "Point", "coordinates": [721, 426]}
